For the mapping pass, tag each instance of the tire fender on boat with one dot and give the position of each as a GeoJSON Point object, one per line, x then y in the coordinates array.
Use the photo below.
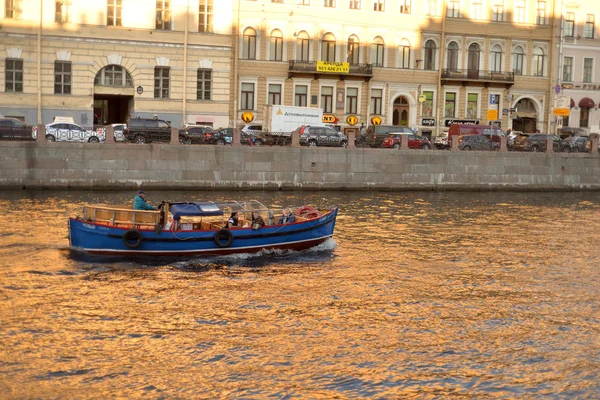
{"type": "Point", "coordinates": [132, 238]}
{"type": "Point", "coordinates": [308, 212]}
{"type": "Point", "coordinates": [223, 238]}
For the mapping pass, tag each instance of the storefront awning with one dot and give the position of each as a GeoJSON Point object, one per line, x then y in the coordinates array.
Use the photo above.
{"type": "Point", "coordinates": [586, 102]}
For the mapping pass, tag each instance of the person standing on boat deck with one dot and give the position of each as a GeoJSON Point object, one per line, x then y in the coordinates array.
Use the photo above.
{"type": "Point", "coordinates": [139, 202]}
{"type": "Point", "coordinates": [257, 221]}
{"type": "Point", "coordinates": [287, 217]}
{"type": "Point", "coordinates": [233, 220]}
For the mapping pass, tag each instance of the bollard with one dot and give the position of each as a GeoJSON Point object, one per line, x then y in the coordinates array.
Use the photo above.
{"type": "Point", "coordinates": [174, 136]}
{"type": "Point", "coordinates": [41, 134]}
{"type": "Point", "coordinates": [109, 134]}
{"type": "Point", "coordinates": [503, 143]}
{"type": "Point", "coordinates": [549, 145]}
{"type": "Point", "coordinates": [454, 144]}
{"type": "Point", "coordinates": [594, 149]}
{"type": "Point", "coordinates": [296, 139]}
{"type": "Point", "coordinates": [404, 142]}
{"type": "Point", "coordinates": [351, 139]}
{"type": "Point", "coordinates": [236, 137]}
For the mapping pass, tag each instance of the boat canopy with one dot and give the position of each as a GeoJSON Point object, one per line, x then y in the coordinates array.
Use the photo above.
{"type": "Point", "coordinates": [194, 210]}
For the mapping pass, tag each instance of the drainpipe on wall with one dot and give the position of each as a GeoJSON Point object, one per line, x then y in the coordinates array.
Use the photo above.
{"type": "Point", "coordinates": [39, 67]}
{"type": "Point", "coordinates": [185, 51]}
{"type": "Point", "coordinates": [235, 42]}
{"type": "Point", "coordinates": [560, 61]}
{"type": "Point", "coordinates": [441, 60]}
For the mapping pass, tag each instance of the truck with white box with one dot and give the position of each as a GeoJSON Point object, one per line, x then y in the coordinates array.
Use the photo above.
{"type": "Point", "coordinates": [282, 120]}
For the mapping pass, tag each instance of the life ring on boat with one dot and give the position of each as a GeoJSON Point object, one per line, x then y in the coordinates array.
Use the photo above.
{"type": "Point", "coordinates": [308, 212]}
{"type": "Point", "coordinates": [132, 238]}
{"type": "Point", "coordinates": [223, 238]}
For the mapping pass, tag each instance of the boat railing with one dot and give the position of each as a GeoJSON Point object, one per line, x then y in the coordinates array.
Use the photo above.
{"type": "Point", "coordinates": [121, 216]}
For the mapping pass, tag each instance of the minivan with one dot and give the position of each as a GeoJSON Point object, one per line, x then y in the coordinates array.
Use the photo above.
{"type": "Point", "coordinates": [376, 133]}
{"type": "Point", "coordinates": [491, 131]}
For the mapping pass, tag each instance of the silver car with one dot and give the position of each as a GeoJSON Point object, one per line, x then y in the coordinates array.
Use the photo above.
{"type": "Point", "coordinates": [68, 132]}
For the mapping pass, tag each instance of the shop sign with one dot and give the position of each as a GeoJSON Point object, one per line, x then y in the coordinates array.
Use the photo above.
{"type": "Point", "coordinates": [328, 119]}
{"type": "Point", "coordinates": [449, 122]}
{"type": "Point", "coordinates": [428, 121]}
{"type": "Point", "coordinates": [375, 120]}
{"type": "Point", "coordinates": [352, 120]}
{"type": "Point", "coordinates": [335, 67]}
{"type": "Point", "coordinates": [247, 117]}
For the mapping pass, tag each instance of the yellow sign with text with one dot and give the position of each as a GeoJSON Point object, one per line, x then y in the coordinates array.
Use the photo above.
{"type": "Point", "coordinates": [336, 67]}
{"type": "Point", "coordinates": [328, 119]}
{"type": "Point", "coordinates": [492, 115]}
{"type": "Point", "coordinates": [562, 112]}
{"type": "Point", "coordinates": [247, 117]}
{"type": "Point", "coordinates": [352, 120]}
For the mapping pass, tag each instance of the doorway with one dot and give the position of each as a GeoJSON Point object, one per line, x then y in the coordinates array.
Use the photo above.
{"type": "Point", "coordinates": [113, 95]}
{"type": "Point", "coordinates": [401, 111]}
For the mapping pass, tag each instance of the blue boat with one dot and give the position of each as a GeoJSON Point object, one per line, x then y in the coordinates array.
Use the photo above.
{"type": "Point", "coordinates": [186, 229]}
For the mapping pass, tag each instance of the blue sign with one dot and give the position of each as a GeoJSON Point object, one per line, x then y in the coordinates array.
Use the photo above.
{"type": "Point", "coordinates": [494, 98]}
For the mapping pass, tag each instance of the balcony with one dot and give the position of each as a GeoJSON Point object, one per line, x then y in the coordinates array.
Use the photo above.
{"type": "Point", "coordinates": [360, 71]}
{"type": "Point", "coordinates": [470, 77]}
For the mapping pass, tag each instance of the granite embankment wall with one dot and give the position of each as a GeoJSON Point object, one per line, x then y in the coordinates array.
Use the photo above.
{"type": "Point", "coordinates": [124, 166]}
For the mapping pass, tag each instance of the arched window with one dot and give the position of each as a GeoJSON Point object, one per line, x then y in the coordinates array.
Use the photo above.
{"type": "Point", "coordinates": [377, 52]}
{"type": "Point", "coordinates": [429, 62]}
{"type": "Point", "coordinates": [496, 58]}
{"type": "Point", "coordinates": [276, 46]}
{"type": "Point", "coordinates": [353, 50]}
{"type": "Point", "coordinates": [473, 59]}
{"type": "Point", "coordinates": [328, 47]}
{"type": "Point", "coordinates": [538, 62]}
{"type": "Point", "coordinates": [249, 45]}
{"type": "Point", "coordinates": [517, 61]}
{"type": "Point", "coordinates": [404, 54]}
{"type": "Point", "coordinates": [113, 75]}
{"type": "Point", "coordinates": [452, 61]}
{"type": "Point", "coordinates": [302, 47]}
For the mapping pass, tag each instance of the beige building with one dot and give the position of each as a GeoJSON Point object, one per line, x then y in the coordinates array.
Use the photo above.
{"type": "Point", "coordinates": [421, 64]}
{"type": "Point", "coordinates": [104, 60]}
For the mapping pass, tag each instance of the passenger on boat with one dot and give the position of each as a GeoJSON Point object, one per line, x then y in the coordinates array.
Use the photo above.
{"type": "Point", "coordinates": [233, 220]}
{"type": "Point", "coordinates": [139, 202]}
{"type": "Point", "coordinates": [257, 221]}
{"type": "Point", "coordinates": [287, 217]}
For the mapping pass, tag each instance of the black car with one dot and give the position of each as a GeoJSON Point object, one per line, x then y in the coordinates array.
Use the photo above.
{"type": "Point", "coordinates": [321, 136]}
{"type": "Point", "coordinates": [578, 143]}
{"type": "Point", "coordinates": [376, 133]}
{"type": "Point", "coordinates": [148, 130]}
{"type": "Point", "coordinates": [537, 143]}
{"type": "Point", "coordinates": [476, 142]}
{"type": "Point", "coordinates": [198, 134]}
{"type": "Point", "coordinates": [13, 129]}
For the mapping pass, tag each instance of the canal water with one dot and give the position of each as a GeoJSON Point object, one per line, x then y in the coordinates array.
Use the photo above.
{"type": "Point", "coordinates": [419, 295]}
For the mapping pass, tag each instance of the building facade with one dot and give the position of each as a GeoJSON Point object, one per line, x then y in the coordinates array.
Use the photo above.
{"type": "Point", "coordinates": [103, 61]}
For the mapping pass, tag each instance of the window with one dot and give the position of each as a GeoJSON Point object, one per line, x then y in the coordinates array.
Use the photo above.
{"type": "Point", "coordinates": [13, 9]}
{"type": "Point", "coordinates": [274, 94]}
{"type": "Point", "coordinates": [328, 48]}
{"type": "Point", "coordinates": [584, 117]}
{"type": "Point", "coordinates": [570, 24]}
{"type": "Point", "coordinates": [498, 11]}
{"type": "Point", "coordinates": [405, 6]}
{"type": "Point", "coordinates": [249, 46]}
{"type": "Point", "coordinates": [355, 4]}
{"type": "Point", "coordinates": [452, 62]}
{"type": "Point", "coordinates": [453, 10]}
{"type": "Point", "coordinates": [429, 63]}
{"type": "Point", "coordinates": [304, 2]}
{"type": "Point", "coordinates": [496, 58]}
{"type": "Point", "coordinates": [247, 102]}
{"type": "Point", "coordinates": [277, 1]}
{"type": "Point", "coordinates": [276, 46]}
{"type": "Point", "coordinates": [588, 65]}
{"type": "Point", "coordinates": [62, 8]}
{"type": "Point", "coordinates": [329, 3]}
{"type": "Point", "coordinates": [589, 27]}
{"type": "Point", "coordinates": [376, 100]}
{"type": "Point", "coordinates": [163, 14]}
{"type": "Point", "coordinates": [476, 9]}
{"type": "Point", "coordinates": [377, 52]}
{"type": "Point", "coordinates": [327, 99]}
{"type": "Point", "coordinates": [427, 105]}
{"type": "Point", "coordinates": [404, 53]}
{"type": "Point", "coordinates": [204, 85]}
{"type": "Point", "coordinates": [302, 47]}
{"type": "Point", "coordinates": [62, 77]}
{"type": "Point", "coordinates": [353, 50]}
{"type": "Point", "coordinates": [205, 16]}
{"type": "Point", "coordinates": [351, 100]}
{"type": "Point", "coordinates": [541, 18]}
{"type": "Point", "coordinates": [13, 76]}
{"type": "Point", "coordinates": [113, 75]}
{"type": "Point", "coordinates": [378, 5]}
{"type": "Point", "coordinates": [472, 105]}
{"type": "Point", "coordinates": [113, 13]}
{"type": "Point", "coordinates": [450, 105]}
{"type": "Point", "coordinates": [518, 61]}
{"type": "Point", "coordinates": [567, 69]}
{"type": "Point", "coordinates": [161, 82]}
{"type": "Point", "coordinates": [520, 12]}
{"type": "Point", "coordinates": [301, 96]}
{"type": "Point", "coordinates": [432, 8]}
{"type": "Point", "coordinates": [538, 62]}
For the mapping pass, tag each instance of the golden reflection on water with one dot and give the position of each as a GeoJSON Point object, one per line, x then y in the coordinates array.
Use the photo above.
{"type": "Point", "coordinates": [424, 295]}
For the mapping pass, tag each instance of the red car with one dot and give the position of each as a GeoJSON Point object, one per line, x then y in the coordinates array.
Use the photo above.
{"type": "Point", "coordinates": [414, 141]}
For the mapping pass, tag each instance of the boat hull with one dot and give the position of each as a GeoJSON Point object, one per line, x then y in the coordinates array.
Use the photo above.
{"type": "Point", "coordinates": [102, 239]}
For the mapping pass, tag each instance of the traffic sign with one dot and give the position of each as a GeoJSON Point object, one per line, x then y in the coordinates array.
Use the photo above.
{"type": "Point", "coordinates": [562, 106]}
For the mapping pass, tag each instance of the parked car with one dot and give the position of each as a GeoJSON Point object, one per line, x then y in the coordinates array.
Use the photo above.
{"type": "Point", "coordinates": [518, 142]}
{"type": "Point", "coordinates": [578, 143]}
{"type": "Point", "coordinates": [588, 145]}
{"type": "Point", "coordinates": [441, 141]}
{"type": "Point", "coordinates": [197, 134]}
{"type": "Point", "coordinates": [537, 142]}
{"type": "Point", "coordinates": [376, 133]}
{"type": "Point", "coordinates": [476, 142]}
{"type": "Point", "coordinates": [491, 131]}
{"type": "Point", "coordinates": [148, 130]}
{"type": "Point", "coordinates": [414, 142]}
{"type": "Point", "coordinates": [252, 129]}
{"type": "Point", "coordinates": [67, 132]}
{"type": "Point", "coordinates": [13, 129]}
{"type": "Point", "coordinates": [321, 136]}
